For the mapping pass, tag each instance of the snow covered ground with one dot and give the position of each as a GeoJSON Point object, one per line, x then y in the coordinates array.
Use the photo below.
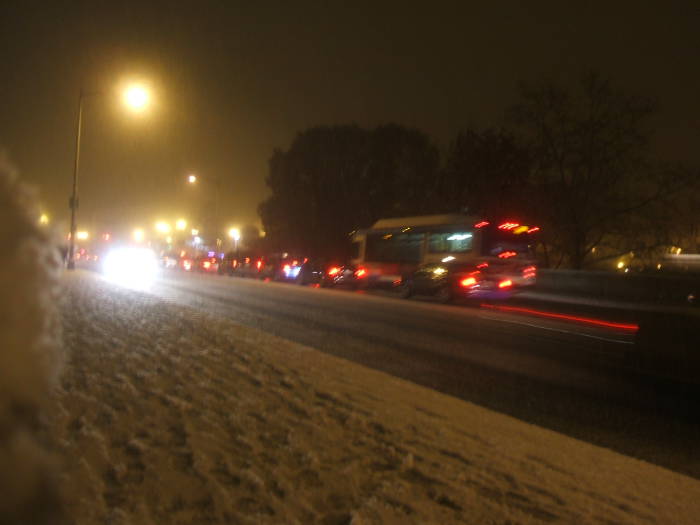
{"type": "Point", "coordinates": [165, 414]}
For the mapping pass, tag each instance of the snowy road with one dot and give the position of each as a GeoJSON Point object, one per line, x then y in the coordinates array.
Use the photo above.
{"type": "Point", "coordinates": [169, 414]}
{"type": "Point", "coordinates": [562, 376]}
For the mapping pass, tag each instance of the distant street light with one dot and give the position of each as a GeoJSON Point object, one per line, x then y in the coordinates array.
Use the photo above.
{"type": "Point", "coordinates": [138, 235]}
{"type": "Point", "coordinates": [137, 98]}
{"type": "Point", "coordinates": [82, 235]}
{"type": "Point", "coordinates": [162, 227]}
{"type": "Point", "coordinates": [235, 234]}
{"type": "Point", "coordinates": [43, 219]}
{"type": "Point", "coordinates": [193, 179]}
{"type": "Point", "coordinates": [181, 224]}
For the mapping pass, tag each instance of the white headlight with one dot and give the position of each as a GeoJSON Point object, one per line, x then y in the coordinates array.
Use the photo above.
{"type": "Point", "coordinates": [131, 267]}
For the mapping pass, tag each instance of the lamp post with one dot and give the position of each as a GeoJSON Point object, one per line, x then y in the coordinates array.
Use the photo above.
{"type": "Point", "coordinates": [235, 234]}
{"type": "Point", "coordinates": [193, 179]}
{"type": "Point", "coordinates": [136, 97]}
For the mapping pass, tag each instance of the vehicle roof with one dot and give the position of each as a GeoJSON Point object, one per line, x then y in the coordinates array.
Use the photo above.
{"type": "Point", "coordinates": [425, 220]}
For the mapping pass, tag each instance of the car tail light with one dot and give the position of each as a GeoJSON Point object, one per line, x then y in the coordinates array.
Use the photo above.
{"type": "Point", "coordinates": [506, 283]}
{"type": "Point", "coordinates": [360, 272]}
{"type": "Point", "coordinates": [529, 272]}
{"type": "Point", "coordinates": [286, 268]}
{"type": "Point", "coordinates": [507, 255]}
{"type": "Point", "coordinates": [187, 264]}
{"type": "Point", "coordinates": [333, 271]}
{"type": "Point", "coordinates": [234, 263]}
{"type": "Point", "coordinates": [483, 265]}
{"type": "Point", "coordinates": [258, 264]}
{"type": "Point", "coordinates": [468, 282]}
{"type": "Point", "coordinates": [206, 265]}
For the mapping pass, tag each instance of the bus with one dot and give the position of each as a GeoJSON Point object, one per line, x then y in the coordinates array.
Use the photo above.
{"type": "Point", "coordinates": [393, 249]}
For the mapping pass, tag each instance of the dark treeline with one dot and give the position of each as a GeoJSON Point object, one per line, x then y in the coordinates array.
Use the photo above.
{"type": "Point", "coordinates": [574, 160]}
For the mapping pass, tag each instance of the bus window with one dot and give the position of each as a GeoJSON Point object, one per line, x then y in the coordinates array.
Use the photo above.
{"type": "Point", "coordinates": [401, 247]}
{"type": "Point", "coordinates": [451, 242]}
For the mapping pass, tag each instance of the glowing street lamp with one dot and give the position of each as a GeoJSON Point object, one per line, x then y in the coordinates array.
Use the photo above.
{"type": "Point", "coordinates": [138, 235]}
{"type": "Point", "coordinates": [43, 219]}
{"type": "Point", "coordinates": [235, 234]}
{"type": "Point", "coordinates": [181, 224]}
{"type": "Point", "coordinates": [136, 97]}
{"type": "Point", "coordinates": [162, 227]}
{"type": "Point", "coordinates": [82, 235]}
{"type": "Point", "coordinates": [192, 179]}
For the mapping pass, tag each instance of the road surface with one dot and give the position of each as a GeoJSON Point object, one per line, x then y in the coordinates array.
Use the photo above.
{"type": "Point", "coordinates": [565, 376]}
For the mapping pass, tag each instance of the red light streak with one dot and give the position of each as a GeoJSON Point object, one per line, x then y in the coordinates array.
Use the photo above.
{"type": "Point", "coordinates": [505, 284]}
{"type": "Point", "coordinates": [481, 224]}
{"type": "Point", "coordinates": [483, 265]}
{"type": "Point", "coordinates": [333, 271]}
{"type": "Point", "coordinates": [508, 225]}
{"type": "Point", "coordinates": [468, 282]}
{"type": "Point", "coordinates": [360, 272]}
{"type": "Point", "coordinates": [507, 255]}
{"type": "Point", "coordinates": [585, 320]}
{"type": "Point", "coordinates": [533, 230]}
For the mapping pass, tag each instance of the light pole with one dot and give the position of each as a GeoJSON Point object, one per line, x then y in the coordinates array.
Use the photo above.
{"type": "Point", "coordinates": [73, 202]}
{"type": "Point", "coordinates": [193, 179]}
{"type": "Point", "coordinates": [235, 234]}
{"type": "Point", "coordinates": [137, 98]}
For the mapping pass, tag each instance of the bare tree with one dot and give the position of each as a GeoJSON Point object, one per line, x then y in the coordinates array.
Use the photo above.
{"type": "Point", "coordinates": [590, 167]}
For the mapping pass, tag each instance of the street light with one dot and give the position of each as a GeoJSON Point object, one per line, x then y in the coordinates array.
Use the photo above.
{"type": "Point", "coordinates": [138, 235]}
{"type": "Point", "coordinates": [193, 179]}
{"type": "Point", "coordinates": [181, 224]}
{"type": "Point", "coordinates": [235, 234]}
{"type": "Point", "coordinates": [136, 97]}
{"type": "Point", "coordinates": [43, 219]}
{"type": "Point", "coordinates": [162, 227]}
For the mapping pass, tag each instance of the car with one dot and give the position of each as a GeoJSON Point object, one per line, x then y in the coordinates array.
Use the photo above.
{"type": "Point", "coordinates": [345, 275]}
{"type": "Point", "coordinates": [448, 281]}
{"type": "Point", "coordinates": [206, 264]}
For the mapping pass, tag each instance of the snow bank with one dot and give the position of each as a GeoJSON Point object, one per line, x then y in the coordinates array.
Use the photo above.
{"type": "Point", "coordinates": [170, 415]}
{"type": "Point", "coordinates": [29, 359]}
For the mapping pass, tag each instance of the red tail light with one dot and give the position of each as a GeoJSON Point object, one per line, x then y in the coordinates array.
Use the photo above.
{"type": "Point", "coordinates": [360, 272]}
{"type": "Point", "coordinates": [481, 224]}
{"type": "Point", "coordinates": [286, 268]}
{"type": "Point", "coordinates": [206, 265]}
{"type": "Point", "coordinates": [187, 264]}
{"type": "Point", "coordinates": [529, 272]}
{"type": "Point", "coordinates": [508, 225]}
{"type": "Point", "coordinates": [258, 264]}
{"type": "Point", "coordinates": [468, 282]}
{"type": "Point", "coordinates": [507, 255]}
{"type": "Point", "coordinates": [507, 283]}
{"type": "Point", "coordinates": [333, 271]}
{"type": "Point", "coordinates": [234, 263]}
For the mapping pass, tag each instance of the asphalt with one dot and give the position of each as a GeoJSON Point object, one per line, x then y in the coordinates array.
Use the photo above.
{"type": "Point", "coordinates": [569, 376]}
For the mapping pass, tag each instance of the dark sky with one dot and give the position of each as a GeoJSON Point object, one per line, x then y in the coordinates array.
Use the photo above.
{"type": "Point", "coordinates": [233, 80]}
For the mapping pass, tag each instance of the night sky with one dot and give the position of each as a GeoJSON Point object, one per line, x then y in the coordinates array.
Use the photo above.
{"type": "Point", "coordinates": [233, 80]}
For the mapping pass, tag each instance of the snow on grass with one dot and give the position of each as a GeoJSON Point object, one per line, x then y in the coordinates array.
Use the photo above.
{"type": "Point", "coordinates": [169, 415]}
{"type": "Point", "coordinates": [29, 356]}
